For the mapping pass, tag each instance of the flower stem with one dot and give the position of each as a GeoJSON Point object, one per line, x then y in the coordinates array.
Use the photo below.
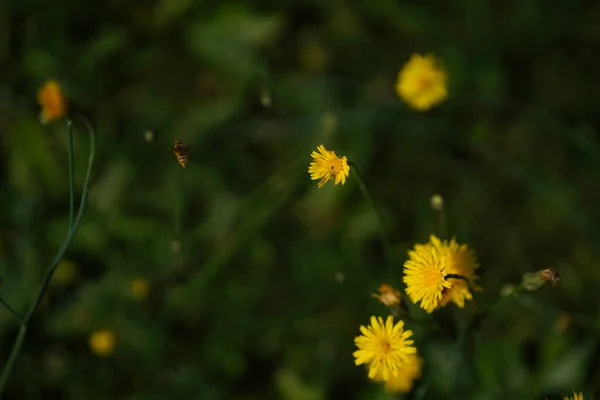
{"type": "Point", "coordinates": [14, 353]}
{"type": "Point", "coordinates": [369, 199]}
{"type": "Point", "coordinates": [11, 310]}
{"type": "Point", "coordinates": [484, 315]}
{"type": "Point", "coordinates": [71, 171]}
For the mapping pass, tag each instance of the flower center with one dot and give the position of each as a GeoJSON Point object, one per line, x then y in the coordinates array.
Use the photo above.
{"type": "Point", "coordinates": [424, 83]}
{"type": "Point", "coordinates": [335, 166]}
{"type": "Point", "coordinates": [385, 346]}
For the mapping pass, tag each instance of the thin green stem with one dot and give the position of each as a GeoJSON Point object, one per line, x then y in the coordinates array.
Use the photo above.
{"type": "Point", "coordinates": [14, 353]}
{"type": "Point", "coordinates": [481, 317]}
{"type": "Point", "coordinates": [71, 172]}
{"type": "Point", "coordinates": [11, 310]}
{"type": "Point", "coordinates": [369, 199]}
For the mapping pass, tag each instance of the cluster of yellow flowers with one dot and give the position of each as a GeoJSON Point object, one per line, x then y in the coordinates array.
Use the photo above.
{"type": "Point", "coordinates": [436, 273]}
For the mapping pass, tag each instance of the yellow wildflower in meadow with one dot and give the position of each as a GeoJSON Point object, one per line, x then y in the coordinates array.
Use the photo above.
{"type": "Point", "coordinates": [459, 261]}
{"type": "Point", "coordinates": [384, 347]}
{"type": "Point", "coordinates": [327, 165]}
{"type": "Point", "coordinates": [52, 101]}
{"type": "Point", "coordinates": [422, 82]}
{"type": "Point", "coordinates": [407, 375]}
{"type": "Point", "coordinates": [424, 276]}
{"type": "Point", "coordinates": [102, 343]}
{"type": "Point", "coordinates": [576, 396]}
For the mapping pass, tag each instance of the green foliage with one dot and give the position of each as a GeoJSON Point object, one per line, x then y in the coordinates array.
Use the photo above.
{"type": "Point", "coordinates": [259, 280]}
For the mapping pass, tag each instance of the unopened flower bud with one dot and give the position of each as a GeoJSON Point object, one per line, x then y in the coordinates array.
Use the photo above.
{"type": "Point", "coordinates": [437, 202]}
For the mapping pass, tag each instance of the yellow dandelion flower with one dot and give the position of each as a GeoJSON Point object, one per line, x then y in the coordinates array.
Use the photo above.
{"type": "Point", "coordinates": [424, 276]}
{"type": "Point", "coordinates": [327, 165]}
{"type": "Point", "coordinates": [459, 261]}
{"type": "Point", "coordinates": [52, 101]}
{"type": "Point", "coordinates": [384, 347]}
{"type": "Point", "coordinates": [140, 288]}
{"type": "Point", "coordinates": [102, 342]}
{"type": "Point", "coordinates": [422, 82]}
{"type": "Point", "coordinates": [388, 295]}
{"type": "Point", "coordinates": [576, 396]}
{"type": "Point", "coordinates": [407, 375]}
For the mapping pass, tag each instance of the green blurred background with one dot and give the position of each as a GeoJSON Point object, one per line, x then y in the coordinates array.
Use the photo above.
{"type": "Point", "coordinates": [258, 281]}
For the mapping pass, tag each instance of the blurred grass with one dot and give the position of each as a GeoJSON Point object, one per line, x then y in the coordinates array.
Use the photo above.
{"type": "Point", "coordinates": [261, 291]}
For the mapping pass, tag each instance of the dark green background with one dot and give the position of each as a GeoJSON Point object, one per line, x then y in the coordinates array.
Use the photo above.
{"type": "Point", "coordinates": [273, 276]}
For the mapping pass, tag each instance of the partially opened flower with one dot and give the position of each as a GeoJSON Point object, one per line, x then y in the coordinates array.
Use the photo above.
{"type": "Point", "coordinates": [52, 101]}
{"type": "Point", "coordinates": [424, 275]}
{"type": "Point", "coordinates": [422, 82]}
{"type": "Point", "coordinates": [384, 347]}
{"type": "Point", "coordinates": [459, 261]}
{"type": "Point", "coordinates": [407, 375]}
{"type": "Point", "coordinates": [327, 165]}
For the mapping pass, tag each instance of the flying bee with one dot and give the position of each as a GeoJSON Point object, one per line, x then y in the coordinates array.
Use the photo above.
{"type": "Point", "coordinates": [181, 151]}
{"type": "Point", "coordinates": [550, 275]}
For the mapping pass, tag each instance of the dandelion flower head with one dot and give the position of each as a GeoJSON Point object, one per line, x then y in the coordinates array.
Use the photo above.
{"type": "Point", "coordinates": [424, 276]}
{"type": "Point", "coordinates": [422, 82]}
{"type": "Point", "coordinates": [459, 261]}
{"type": "Point", "coordinates": [407, 375]}
{"type": "Point", "coordinates": [102, 343]}
{"type": "Point", "coordinates": [52, 101]}
{"type": "Point", "coordinates": [384, 347]}
{"type": "Point", "coordinates": [327, 165]}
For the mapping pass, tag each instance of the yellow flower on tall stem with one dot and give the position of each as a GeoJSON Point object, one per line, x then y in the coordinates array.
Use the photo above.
{"type": "Point", "coordinates": [459, 261]}
{"type": "Point", "coordinates": [424, 276]}
{"type": "Point", "coordinates": [422, 82]}
{"type": "Point", "coordinates": [52, 101]}
{"type": "Point", "coordinates": [327, 165]}
{"type": "Point", "coordinates": [407, 375]}
{"type": "Point", "coordinates": [576, 396]}
{"type": "Point", "coordinates": [384, 347]}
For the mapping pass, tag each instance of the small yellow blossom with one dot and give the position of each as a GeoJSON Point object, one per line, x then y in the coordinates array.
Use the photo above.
{"type": "Point", "coordinates": [459, 261]}
{"type": "Point", "coordinates": [576, 396]}
{"type": "Point", "coordinates": [422, 82]}
{"type": "Point", "coordinates": [407, 375]}
{"type": "Point", "coordinates": [52, 101]}
{"type": "Point", "coordinates": [103, 342]}
{"type": "Point", "coordinates": [140, 288]}
{"type": "Point", "coordinates": [384, 347]}
{"type": "Point", "coordinates": [424, 275]}
{"type": "Point", "coordinates": [388, 295]}
{"type": "Point", "coordinates": [327, 165]}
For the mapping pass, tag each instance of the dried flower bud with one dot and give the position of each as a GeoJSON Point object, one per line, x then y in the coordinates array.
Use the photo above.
{"type": "Point", "coordinates": [388, 295]}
